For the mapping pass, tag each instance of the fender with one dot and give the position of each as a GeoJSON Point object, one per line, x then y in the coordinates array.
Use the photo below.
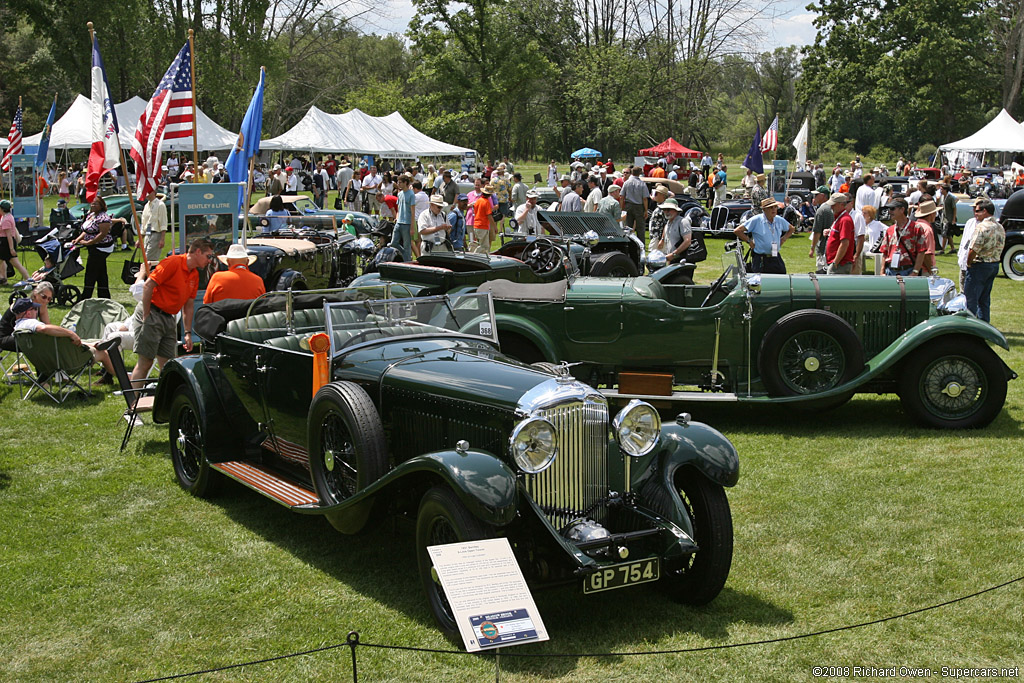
{"type": "Point", "coordinates": [201, 374]}
{"type": "Point", "coordinates": [483, 483]}
{"type": "Point", "coordinates": [530, 331]}
{"type": "Point", "coordinates": [685, 444]}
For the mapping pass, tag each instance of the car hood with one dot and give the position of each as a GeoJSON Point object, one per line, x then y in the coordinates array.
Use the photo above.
{"type": "Point", "coordinates": [479, 376]}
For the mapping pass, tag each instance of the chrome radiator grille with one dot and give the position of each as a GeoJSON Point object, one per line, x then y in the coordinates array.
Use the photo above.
{"type": "Point", "coordinates": [578, 478]}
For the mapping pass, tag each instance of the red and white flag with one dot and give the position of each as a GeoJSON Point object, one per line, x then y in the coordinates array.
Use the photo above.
{"type": "Point", "coordinates": [14, 145]}
{"type": "Point", "coordinates": [105, 151]}
{"type": "Point", "coordinates": [168, 115]}
{"type": "Point", "coordinates": [770, 141]}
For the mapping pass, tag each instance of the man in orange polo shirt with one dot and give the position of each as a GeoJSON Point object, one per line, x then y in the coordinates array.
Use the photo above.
{"type": "Point", "coordinates": [237, 282]}
{"type": "Point", "coordinates": [170, 289]}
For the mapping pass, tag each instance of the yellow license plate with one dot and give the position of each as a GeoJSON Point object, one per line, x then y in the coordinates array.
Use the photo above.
{"type": "Point", "coordinates": [626, 574]}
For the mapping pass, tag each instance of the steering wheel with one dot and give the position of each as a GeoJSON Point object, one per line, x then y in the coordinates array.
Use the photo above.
{"type": "Point", "coordinates": [717, 285]}
{"type": "Point", "coordinates": [542, 256]}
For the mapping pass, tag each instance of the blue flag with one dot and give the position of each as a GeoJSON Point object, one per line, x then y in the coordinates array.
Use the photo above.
{"type": "Point", "coordinates": [248, 143]}
{"type": "Point", "coordinates": [44, 141]}
{"type": "Point", "coordinates": [754, 161]}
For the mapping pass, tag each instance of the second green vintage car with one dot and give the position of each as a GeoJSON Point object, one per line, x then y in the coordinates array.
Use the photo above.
{"type": "Point", "coordinates": [337, 405]}
{"type": "Point", "coordinates": [799, 339]}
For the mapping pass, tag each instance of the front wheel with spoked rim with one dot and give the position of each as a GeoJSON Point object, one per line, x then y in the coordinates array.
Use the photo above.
{"type": "Point", "coordinates": [954, 383]}
{"type": "Point", "coordinates": [443, 519]}
{"type": "Point", "coordinates": [188, 446]}
{"type": "Point", "coordinates": [347, 450]}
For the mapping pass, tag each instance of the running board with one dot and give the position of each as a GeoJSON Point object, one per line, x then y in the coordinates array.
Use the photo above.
{"type": "Point", "coordinates": [722, 397]}
{"type": "Point", "coordinates": [271, 484]}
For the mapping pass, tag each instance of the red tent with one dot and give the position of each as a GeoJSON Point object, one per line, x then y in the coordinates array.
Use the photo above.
{"type": "Point", "coordinates": [672, 147]}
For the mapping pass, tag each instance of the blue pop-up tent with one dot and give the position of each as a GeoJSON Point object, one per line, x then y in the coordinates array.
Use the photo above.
{"type": "Point", "coordinates": [585, 153]}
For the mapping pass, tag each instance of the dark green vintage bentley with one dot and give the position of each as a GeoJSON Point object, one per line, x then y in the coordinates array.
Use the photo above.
{"type": "Point", "coordinates": [409, 408]}
{"type": "Point", "coordinates": [797, 338]}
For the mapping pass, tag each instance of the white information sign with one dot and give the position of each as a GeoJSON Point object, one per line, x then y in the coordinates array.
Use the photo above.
{"type": "Point", "coordinates": [493, 606]}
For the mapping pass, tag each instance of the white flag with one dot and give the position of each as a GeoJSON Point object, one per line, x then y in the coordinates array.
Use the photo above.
{"type": "Point", "coordinates": [801, 145]}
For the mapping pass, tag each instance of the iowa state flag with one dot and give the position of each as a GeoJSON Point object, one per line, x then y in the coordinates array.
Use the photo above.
{"type": "Point", "coordinates": [104, 153]}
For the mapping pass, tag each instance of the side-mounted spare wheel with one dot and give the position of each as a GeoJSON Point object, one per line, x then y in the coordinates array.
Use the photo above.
{"type": "Point", "coordinates": [612, 264]}
{"type": "Point", "coordinates": [347, 450]}
{"type": "Point", "coordinates": [188, 446]}
{"type": "Point", "coordinates": [807, 352]}
{"type": "Point", "coordinates": [954, 382]}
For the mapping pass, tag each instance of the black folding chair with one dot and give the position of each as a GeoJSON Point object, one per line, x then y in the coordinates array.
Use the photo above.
{"type": "Point", "coordinates": [138, 394]}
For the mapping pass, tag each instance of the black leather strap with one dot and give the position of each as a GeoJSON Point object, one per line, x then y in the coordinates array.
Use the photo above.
{"type": "Point", "coordinates": [817, 289]}
{"type": "Point", "coordinates": [903, 303]}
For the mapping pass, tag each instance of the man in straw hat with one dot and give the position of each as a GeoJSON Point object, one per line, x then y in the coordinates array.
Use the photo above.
{"type": "Point", "coordinates": [676, 238]}
{"type": "Point", "coordinates": [766, 232]}
{"type": "Point", "coordinates": [759, 192]}
{"type": "Point", "coordinates": [432, 224]}
{"type": "Point", "coordinates": [659, 219]}
{"type": "Point", "coordinates": [926, 214]}
{"type": "Point", "coordinates": [237, 282]}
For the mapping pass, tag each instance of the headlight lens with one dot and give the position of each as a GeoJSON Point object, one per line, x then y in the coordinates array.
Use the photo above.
{"type": "Point", "coordinates": [637, 427]}
{"type": "Point", "coordinates": [534, 444]}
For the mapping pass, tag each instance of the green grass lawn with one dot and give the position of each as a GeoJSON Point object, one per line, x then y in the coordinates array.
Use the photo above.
{"type": "Point", "coordinates": [109, 571]}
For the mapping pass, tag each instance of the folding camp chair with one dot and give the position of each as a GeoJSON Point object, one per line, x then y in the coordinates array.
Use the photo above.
{"type": "Point", "coordinates": [57, 363]}
{"type": "Point", "coordinates": [89, 316]}
{"type": "Point", "coordinates": [138, 394]}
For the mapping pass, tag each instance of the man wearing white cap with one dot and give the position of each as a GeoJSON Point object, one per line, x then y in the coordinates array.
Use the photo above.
{"type": "Point", "coordinates": [527, 216]}
{"type": "Point", "coordinates": [154, 225]}
{"type": "Point", "coordinates": [237, 282]}
{"type": "Point", "coordinates": [433, 225]}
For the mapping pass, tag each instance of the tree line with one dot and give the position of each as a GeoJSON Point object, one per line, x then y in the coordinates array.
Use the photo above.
{"type": "Point", "coordinates": [539, 78]}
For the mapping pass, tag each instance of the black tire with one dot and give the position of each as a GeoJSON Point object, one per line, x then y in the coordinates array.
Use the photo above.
{"type": "Point", "coordinates": [612, 264]}
{"type": "Point", "coordinates": [15, 295]}
{"type": "Point", "coordinates": [68, 295]}
{"type": "Point", "coordinates": [347, 450]}
{"type": "Point", "coordinates": [188, 446]}
{"type": "Point", "coordinates": [520, 348]}
{"type": "Point", "coordinates": [807, 352]}
{"type": "Point", "coordinates": [1013, 262]}
{"type": "Point", "coordinates": [704, 573]}
{"type": "Point", "coordinates": [442, 519]}
{"type": "Point", "coordinates": [953, 383]}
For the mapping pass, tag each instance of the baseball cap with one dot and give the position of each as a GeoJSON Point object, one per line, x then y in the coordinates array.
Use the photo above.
{"type": "Point", "coordinates": [22, 305]}
{"type": "Point", "coordinates": [462, 198]}
{"type": "Point", "coordinates": [897, 203]}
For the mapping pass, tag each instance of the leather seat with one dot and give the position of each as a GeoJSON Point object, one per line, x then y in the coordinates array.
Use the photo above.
{"type": "Point", "coordinates": [649, 288]}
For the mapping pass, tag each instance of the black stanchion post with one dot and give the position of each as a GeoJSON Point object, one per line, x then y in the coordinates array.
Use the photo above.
{"type": "Point", "coordinates": [353, 640]}
{"type": "Point", "coordinates": [497, 665]}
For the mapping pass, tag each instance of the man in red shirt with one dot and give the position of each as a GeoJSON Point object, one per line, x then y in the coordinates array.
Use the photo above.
{"type": "Point", "coordinates": [237, 282]}
{"type": "Point", "coordinates": [170, 289]}
{"type": "Point", "coordinates": [483, 219]}
{"type": "Point", "coordinates": [905, 244]}
{"type": "Point", "coordinates": [840, 248]}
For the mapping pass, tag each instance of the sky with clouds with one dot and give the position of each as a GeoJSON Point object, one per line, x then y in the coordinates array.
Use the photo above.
{"type": "Point", "coordinates": [792, 24]}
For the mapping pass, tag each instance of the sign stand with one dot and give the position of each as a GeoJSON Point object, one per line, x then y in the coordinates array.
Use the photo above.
{"type": "Point", "coordinates": [488, 595]}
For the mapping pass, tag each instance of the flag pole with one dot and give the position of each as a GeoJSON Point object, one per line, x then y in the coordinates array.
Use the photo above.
{"type": "Point", "coordinates": [120, 151]}
{"type": "Point", "coordinates": [12, 165]}
{"type": "Point", "coordinates": [195, 102]}
{"type": "Point", "coordinates": [248, 185]}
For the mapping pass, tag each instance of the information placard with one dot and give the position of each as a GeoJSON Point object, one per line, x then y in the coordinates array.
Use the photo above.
{"type": "Point", "coordinates": [488, 595]}
{"type": "Point", "coordinates": [23, 185]}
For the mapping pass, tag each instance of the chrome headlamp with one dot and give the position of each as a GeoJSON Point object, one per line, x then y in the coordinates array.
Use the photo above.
{"type": "Point", "coordinates": [637, 428]}
{"type": "Point", "coordinates": [534, 444]}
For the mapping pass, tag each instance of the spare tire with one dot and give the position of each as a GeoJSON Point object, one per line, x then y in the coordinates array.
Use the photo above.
{"type": "Point", "coordinates": [612, 264]}
{"type": "Point", "coordinates": [808, 352]}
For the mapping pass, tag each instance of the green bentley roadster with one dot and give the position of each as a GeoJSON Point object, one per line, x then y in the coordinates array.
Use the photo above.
{"type": "Point", "coordinates": [798, 339]}
{"type": "Point", "coordinates": [354, 408]}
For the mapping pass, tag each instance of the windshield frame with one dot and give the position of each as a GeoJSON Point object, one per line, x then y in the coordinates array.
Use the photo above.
{"type": "Point", "coordinates": [393, 308]}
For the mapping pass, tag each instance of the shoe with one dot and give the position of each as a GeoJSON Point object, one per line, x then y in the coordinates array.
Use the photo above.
{"type": "Point", "coordinates": [105, 378]}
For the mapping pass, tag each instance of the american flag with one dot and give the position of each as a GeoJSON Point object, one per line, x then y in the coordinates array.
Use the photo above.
{"type": "Point", "coordinates": [770, 141]}
{"type": "Point", "coordinates": [168, 115]}
{"type": "Point", "coordinates": [14, 138]}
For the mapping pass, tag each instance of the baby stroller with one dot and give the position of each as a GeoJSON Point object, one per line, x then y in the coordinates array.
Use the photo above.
{"type": "Point", "coordinates": [59, 264]}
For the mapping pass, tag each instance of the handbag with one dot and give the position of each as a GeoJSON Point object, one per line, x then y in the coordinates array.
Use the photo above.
{"type": "Point", "coordinates": [338, 206]}
{"type": "Point", "coordinates": [697, 251]}
{"type": "Point", "coordinates": [130, 268]}
{"type": "Point", "coordinates": [351, 195]}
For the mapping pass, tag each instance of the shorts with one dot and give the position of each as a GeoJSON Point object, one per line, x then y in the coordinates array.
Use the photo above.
{"type": "Point", "coordinates": [158, 337]}
{"type": "Point", "coordinates": [501, 211]}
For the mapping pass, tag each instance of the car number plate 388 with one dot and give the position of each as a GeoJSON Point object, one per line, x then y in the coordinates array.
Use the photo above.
{"type": "Point", "coordinates": [626, 574]}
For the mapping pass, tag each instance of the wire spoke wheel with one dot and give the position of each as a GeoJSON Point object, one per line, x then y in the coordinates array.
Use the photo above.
{"type": "Point", "coordinates": [953, 387]}
{"type": "Point", "coordinates": [339, 457]}
{"type": "Point", "coordinates": [812, 361]}
{"type": "Point", "coordinates": [189, 444]}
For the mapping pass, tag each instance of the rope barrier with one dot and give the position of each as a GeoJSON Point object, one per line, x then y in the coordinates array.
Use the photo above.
{"type": "Point", "coordinates": [353, 641]}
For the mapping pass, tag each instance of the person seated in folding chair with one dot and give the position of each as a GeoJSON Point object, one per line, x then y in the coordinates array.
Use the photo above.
{"type": "Point", "coordinates": [42, 294]}
{"type": "Point", "coordinates": [26, 318]}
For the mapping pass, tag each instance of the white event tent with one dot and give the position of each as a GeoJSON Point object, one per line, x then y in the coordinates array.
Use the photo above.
{"type": "Point", "coordinates": [356, 132]}
{"type": "Point", "coordinates": [1001, 134]}
{"type": "Point", "coordinates": [74, 129]}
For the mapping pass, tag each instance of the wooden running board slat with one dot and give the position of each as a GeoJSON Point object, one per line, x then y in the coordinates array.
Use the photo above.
{"type": "Point", "coordinates": [270, 484]}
